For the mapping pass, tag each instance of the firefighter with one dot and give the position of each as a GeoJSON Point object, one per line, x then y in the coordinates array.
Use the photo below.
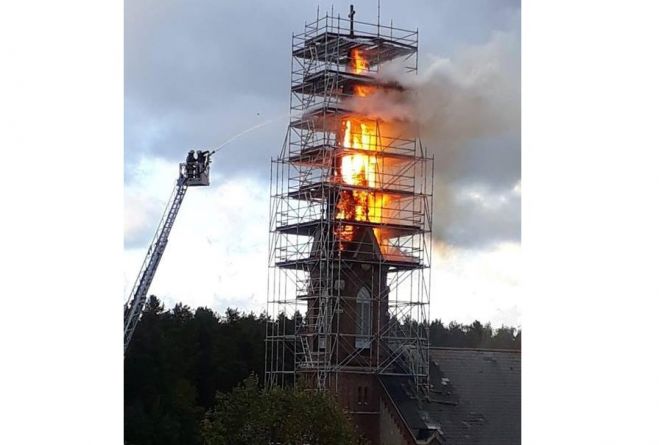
{"type": "Point", "coordinates": [201, 159]}
{"type": "Point", "coordinates": [190, 164]}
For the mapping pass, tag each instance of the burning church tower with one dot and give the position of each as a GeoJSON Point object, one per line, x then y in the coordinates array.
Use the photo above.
{"type": "Point", "coordinates": [350, 223]}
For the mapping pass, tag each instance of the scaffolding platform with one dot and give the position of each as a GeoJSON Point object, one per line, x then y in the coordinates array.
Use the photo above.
{"type": "Point", "coordinates": [324, 155]}
{"type": "Point", "coordinates": [389, 230]}
{"type": "Point", "coordinates": [339, 82]}
{"type": "Point", "coordinates": [395, 263]}
{"type": "Point", "coordinates": [338, 46]}
{"type": "Point", "coordinates": [321, 190]}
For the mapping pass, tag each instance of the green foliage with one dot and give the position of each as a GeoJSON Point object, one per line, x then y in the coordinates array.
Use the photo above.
{"type": "Point", "coordinates": [250, 415]}
{"type": "Point", "coordinates": [179, 359]}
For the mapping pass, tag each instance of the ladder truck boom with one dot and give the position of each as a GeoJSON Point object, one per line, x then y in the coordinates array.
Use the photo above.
{"type": "Point", "coordinates": [193, 173]}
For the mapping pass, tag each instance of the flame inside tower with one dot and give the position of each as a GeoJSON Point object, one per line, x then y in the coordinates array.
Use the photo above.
{"type": "Point", "coordinates": [360, 166]}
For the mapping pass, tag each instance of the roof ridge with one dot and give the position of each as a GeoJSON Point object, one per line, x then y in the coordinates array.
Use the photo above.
{"type": "Point", "coordinates": [455, 348]}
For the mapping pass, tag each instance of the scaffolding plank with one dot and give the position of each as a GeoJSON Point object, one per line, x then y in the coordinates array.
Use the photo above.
{"type": "Point", "coordinates": [391, 230]}
{"type": "Point", "coordinates": [319, 82]}
{"type": "Point", "coordinates": [324, 155]}
{"type": "Point", "coordinates": [320, 190]}
{"type": "Point", "coordinates": [337, 47]}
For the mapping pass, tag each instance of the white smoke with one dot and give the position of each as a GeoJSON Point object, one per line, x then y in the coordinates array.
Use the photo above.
{"type": "Point", "coordinates": [453, 104]}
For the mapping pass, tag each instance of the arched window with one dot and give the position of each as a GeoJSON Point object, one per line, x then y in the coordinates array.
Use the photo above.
{"type": "Point", "coordinates": [363, 338]}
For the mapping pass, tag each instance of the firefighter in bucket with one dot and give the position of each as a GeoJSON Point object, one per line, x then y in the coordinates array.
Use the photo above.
{"type": "Point", "coordinates": [195, 170]}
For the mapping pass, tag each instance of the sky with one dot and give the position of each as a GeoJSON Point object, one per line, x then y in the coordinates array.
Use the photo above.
{"type": "Point", "coordinates": [197, 73]}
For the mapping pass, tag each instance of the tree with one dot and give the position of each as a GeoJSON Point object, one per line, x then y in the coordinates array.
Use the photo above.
{"type": "Point", "coordinates": [250, 415]}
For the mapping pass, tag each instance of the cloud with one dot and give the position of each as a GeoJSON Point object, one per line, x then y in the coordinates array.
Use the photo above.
{"type": "Point", "coordinates": [477, 285]}
{"type": "Point", "coordinates": [479, 216]}
{"type": "Point", "coordinates": [145, 198]}
{"type": "Point", "coordinates": [141, 211]}
{"type": "Point", "coordinates": [194, 77]}
{"type": "Point", "coordinates": [217, 252]}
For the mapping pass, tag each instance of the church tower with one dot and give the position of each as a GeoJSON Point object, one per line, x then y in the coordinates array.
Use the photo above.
{"type": "Point", "coordinates": [350, 223]}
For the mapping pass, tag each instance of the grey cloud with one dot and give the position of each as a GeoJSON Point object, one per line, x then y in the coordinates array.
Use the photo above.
{"type": "Point", "coordinates": [197, 73]}
{"type": "Point", "coordinates": [476, 216]}
{"type": "Point", "coordinates": [495, 161]}
{"type": "Point", "coordinates": [141, 216]}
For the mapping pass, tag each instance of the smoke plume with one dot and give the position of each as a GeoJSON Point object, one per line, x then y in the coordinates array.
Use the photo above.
{"type": "Point", "coordinates": [467, 112]}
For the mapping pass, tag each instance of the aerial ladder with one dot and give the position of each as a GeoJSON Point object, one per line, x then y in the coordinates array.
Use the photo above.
{"type": "Point", "coordinates": [194, 172]}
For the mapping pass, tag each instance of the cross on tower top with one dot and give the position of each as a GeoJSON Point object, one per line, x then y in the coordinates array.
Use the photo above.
{"type": "Point", "coordinates": [352, 17]}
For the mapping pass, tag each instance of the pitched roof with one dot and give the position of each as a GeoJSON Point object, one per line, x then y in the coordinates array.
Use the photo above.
{"type": "Point", "coordinates": [474, 397]}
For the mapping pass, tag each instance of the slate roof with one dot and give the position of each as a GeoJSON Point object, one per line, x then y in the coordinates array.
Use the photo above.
{"type": "Point", "coordinates": [474, 397]}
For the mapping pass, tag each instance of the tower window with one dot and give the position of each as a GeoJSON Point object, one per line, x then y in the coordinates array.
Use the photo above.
{"type": "Point", "coordinates": [363, 339]}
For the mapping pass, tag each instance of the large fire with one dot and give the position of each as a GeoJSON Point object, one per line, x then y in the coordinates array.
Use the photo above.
{"type": "Point", "coordinates": [360, 166]}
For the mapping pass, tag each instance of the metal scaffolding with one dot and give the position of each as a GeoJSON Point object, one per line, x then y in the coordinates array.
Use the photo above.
{"type": "Point", "coordinates": [349, 282]}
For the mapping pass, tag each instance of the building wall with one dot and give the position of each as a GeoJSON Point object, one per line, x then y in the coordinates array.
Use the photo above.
{"type": "Point", "coordinates": [359, 394]}
{"type": "Point", "coordinates": [390, 433]}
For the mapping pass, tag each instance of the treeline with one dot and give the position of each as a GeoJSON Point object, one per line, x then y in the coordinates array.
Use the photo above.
{"type": "Point", "coordinates": [179, 359]}
{"type": "Point", "coordinates": [474, 335]}
{"type": "Point", "coordinates": [176, 363]}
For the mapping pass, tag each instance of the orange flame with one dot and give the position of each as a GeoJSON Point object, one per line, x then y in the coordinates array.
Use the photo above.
{"type": "Point", "coordinates": [359, 62]}
{"type": "Point", "coordinates": [360, 165]}
{"type": "Point", "coordinates": [363, 90]}
{"type": "Point", "coordinates": [362, 170]}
